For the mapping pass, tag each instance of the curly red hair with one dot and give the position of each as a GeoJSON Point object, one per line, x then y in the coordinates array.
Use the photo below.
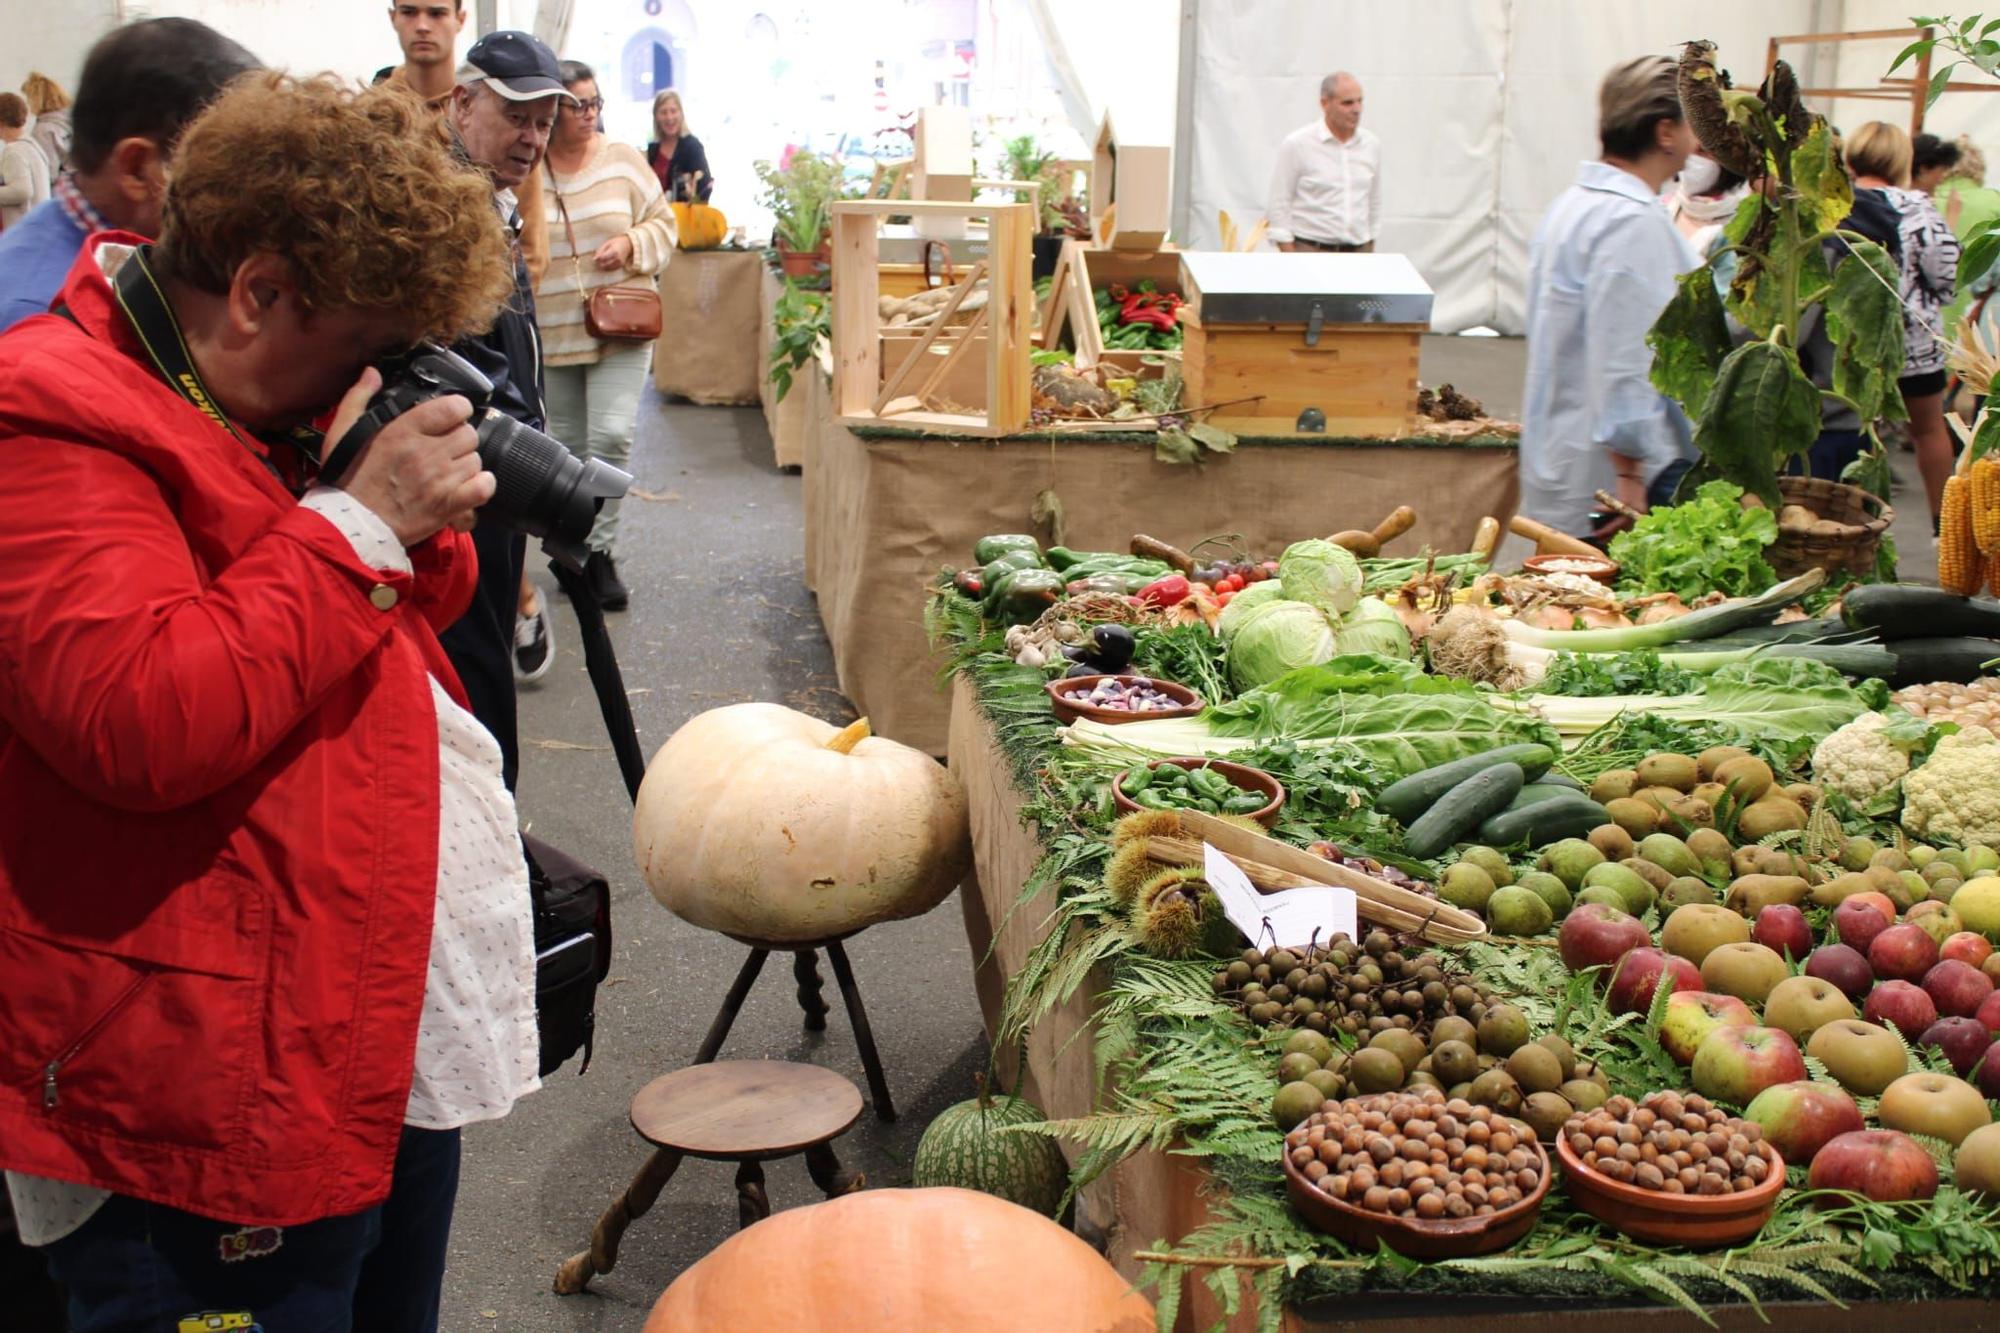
{"type": "Point", "coordinates": [360, 191]}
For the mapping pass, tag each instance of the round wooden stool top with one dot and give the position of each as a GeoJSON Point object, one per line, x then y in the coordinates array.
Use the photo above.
{"type": "Point", "coordinates": [745, 1110]}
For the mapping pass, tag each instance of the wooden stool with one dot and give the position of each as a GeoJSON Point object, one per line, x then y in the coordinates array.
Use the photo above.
{"type": "Point", "coordinates": [743, 1111]}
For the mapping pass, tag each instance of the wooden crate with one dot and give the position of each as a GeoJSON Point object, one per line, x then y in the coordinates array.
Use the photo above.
{"type": "Point", "coordinates": [1007, 323]}
{"type": "Point", "coordinates": [963, 381]}
{"type": "Point", "coordinates": [1081, 272]}
{"type": "Point", "coordinates": [1361, 377]}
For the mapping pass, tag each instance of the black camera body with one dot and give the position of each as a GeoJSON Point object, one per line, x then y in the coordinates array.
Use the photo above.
{"type": "Point", "coordinates": [543, 489]}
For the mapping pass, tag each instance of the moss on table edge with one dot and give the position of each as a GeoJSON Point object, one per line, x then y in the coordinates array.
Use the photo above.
{"type": "Point", "coordinates": [1147, 437]}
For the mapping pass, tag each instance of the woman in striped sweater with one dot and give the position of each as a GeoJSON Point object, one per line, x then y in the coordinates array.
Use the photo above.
{"type": "Point", "coordinates": [619, 230]}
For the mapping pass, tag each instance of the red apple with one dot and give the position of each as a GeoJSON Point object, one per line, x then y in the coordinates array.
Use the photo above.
{"type": "Point", "coordinates": [1966, 947]}
{"type": "Point", "coordinates": [1903, 953]}
{"type": "Point", "coordinates": [1902, 1006]}
{"type": "Point", "coordinates": [1693, 1014]}
{"type": "Point", "coordinates": [1859, 923]}
{"type": "Point", "coordinates": [1843, 965]}
{"type": "Point", "coordinates": [1597, 935]}
{"type": "Point", "coordinates": [1735, 1064]}
{"type": "Point", "coordinates": [1880, 1164]}
{"type": "Point", "coordinates": [1800, 1118]}
{"type": "Point", "coordinates": [1989, 1013]}
{"type": "Point", "coordinates": [1782, 928]}
{"type": "Point", "coordinates": [1963, 1041]}
{"type": "Point", "coordinates": [1987, 1073]}
{"type": "Point", "coordinates": [1957, 988]}
{"type": "Point", "coordinates": [1640, 971]}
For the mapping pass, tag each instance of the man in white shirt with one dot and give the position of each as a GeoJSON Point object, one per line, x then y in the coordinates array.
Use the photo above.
{"type": "Point", "coordinates": [1326, 193]}
{"type": "Point", "coordinates": [1601, 268]}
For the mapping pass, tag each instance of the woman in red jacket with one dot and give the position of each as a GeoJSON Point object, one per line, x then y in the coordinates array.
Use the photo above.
{"type": "Point", "coordinates": [263, 915]}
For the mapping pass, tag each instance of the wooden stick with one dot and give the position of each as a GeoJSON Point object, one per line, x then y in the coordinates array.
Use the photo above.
{"type": "Point", "coordinates": [1549, 541]}
{"type": "Point", "coordinates": [958, 346]}
{"type": "Point", "coordinates": [1486, 538]}
{"type": "Point", "coordinates": [1618, 506]}
{"type": "Point", "coordinates": [894, 384]}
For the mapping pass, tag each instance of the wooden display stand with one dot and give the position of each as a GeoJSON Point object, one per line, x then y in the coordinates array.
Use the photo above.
{"type": "Point", "coordinates": [1131, 192]}
{"type": "Point", "coordinates": [859, 386]}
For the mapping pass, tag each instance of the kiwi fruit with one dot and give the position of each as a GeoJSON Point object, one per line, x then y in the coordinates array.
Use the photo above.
{"type": "Point", "coordinates": [1669, 770]}
{"type": "Point", "coordinates": [1805, 793]}
{"type": "Point", "coordinates": [1711, 760]}
{"type": "Point", "coordinates": [1613, 840]}
{"type": "Point", "coordinates": [1614, 784]}
{"type": "Point", "coordinates": [1748, 779]}
{"type": "Point", "coordinates": [1693, 812]}
{"type": "Point", "coordinates": [1773, 814]}
{"type": "Point", "coordinates": [1375, 1070]}
{"type": "Point", "coordinates": [1638, 818]}
{"type": "Point", "coordinates": [1536, 1068]}
{"type": "Point", "coordinates": [1709, 794]}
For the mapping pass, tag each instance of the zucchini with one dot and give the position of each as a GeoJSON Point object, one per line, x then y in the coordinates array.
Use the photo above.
{"type": "Point", "coordinates": [1459, 811]}
{"type": "Point", "coordinates": [1537, 792]}
{"type": "Point", "coordinates": [1555, 778]}
{"type": "Point", "coordinates": [1404, 800]}
{"type": "Point", "coordinates": [1959, 661]}
{"type": "Point", "coordinates": [1542, 823]}
{"type": "Point", "coordinates": [1915, 610]}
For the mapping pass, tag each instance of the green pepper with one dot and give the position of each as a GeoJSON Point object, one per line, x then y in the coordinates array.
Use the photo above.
{"type": "Point", "coordinates": [990, 548]}
{"type": "Point", "coordinates": [1207, 806]}
{"type": "Point", "coordinates": [1136, 779]}
{"type": "Point", "coordinates": [1006, 563]}
{"type": "Point", "coordinates": [1061, 557]}
{"type": "Point", "coordinates": [1210, 783]}
{"type": "Point", "coordinates": [1023, 594]}
{"type": "Point", "coordinates": [1152, 800]}
{"type": "Point", "coordinates": [1119, 585]}
{"type": "Point", "coordinates": [1245, 803]}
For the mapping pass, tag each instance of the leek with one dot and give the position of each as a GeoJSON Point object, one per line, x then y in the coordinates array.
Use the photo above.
{"type": "Point", "coordinates": [1708, 623]}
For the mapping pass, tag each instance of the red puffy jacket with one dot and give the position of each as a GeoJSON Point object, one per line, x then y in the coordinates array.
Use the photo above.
{"type": "Point", "coordinates": [218, 798]}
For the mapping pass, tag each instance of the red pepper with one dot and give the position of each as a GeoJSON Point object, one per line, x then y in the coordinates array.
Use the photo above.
{"type": "Point", "coordinates": [1169, 591]}
{"type": "Point", "coordinates": [968, 582]}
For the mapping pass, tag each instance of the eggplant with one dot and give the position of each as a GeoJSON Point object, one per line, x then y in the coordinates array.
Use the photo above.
{"type": "Point", "coordinates": [1114, 645]}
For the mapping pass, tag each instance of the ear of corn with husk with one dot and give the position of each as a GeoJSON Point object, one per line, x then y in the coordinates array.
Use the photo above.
{"type": "Point", "coordinates": [1961, 568]}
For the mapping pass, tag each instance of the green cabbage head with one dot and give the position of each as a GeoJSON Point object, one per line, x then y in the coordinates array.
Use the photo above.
{"type": "Point", "coordinates": [1277, 637]}
{"type": "Point", "coordinates": [1243, 603]}
{"type": "Point", "coordinates": [1373, 627]}
{"type": "Point", "coordinates": [1321, 575]}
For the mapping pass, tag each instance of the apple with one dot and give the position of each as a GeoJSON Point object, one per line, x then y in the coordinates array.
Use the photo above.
{"type": "Point", "coordinates": [1698, 929]}
{"type": "Point", "coordinates": [1782, 929]}
{"type": "Point", "coordinates": [1937, 1105]}
{"type": "Point", "coordinates": [1963, 1041]}
{"type": "Point", "coordinates": [1987, 1072]}
{"type": "Point", "coordinates": [1989, 1013]}
{"type": "Point", "coordinates": [1863, 1057]}
{"type": "Point", "coordinates": [1976, 1167]}
{"type": "Point", "coordinates": [1693, 1014]}
{"type": "Point", "coordinates": [1843, 965]}
{"type": "Point", "coordinates": [1966, 947]}
{"type": "Point", "coordinates": [1802, 1006]}
{"type": "Point", "coordinates": [1899, 1004]}
{"type": "Point", "coordinates": [1935, 919]}
{"type": "Point", "coordinates": [1801, 1118]}
{"type": "Point", "coordinates": [1735, 1064]}
{"type": "Point", "coordinates": [1747, 971]}
{"type": "Point", "coordinates": [1903, 953]}
{"type": "Point", "coordinates": [1859, 921]}
{"type": "Point", "coordinates": [1957, 988]}
{"type": "Point", "coordinates": [1879, 1164]}
{"type": "Point", "coordinates": [1597, 935]}
{"type": "Point", "coordinates": [1639, 972]}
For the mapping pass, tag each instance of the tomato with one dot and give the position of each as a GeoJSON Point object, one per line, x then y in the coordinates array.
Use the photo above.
{"type": "Point", "coordinates": [1224, 597]}
{"type": "Point", "coordinates": [1234, 583]}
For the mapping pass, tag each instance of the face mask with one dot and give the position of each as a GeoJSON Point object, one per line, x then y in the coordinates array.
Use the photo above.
{"type": "Point", "coordinates": [1699, 175]}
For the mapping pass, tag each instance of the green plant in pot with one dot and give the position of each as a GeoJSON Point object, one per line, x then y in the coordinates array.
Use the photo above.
{"type": "Point", "coordinates": [1023, 159]}
{"type": "Point", "coordinates": [801, 195]}
{"type": "Point", "coordinates": [1754, 407]}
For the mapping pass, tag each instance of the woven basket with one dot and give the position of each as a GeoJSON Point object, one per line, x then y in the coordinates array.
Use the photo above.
{"type": "Point", "coordinates": [1850, 549]}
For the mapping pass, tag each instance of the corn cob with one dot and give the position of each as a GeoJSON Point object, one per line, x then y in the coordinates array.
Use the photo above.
{"type": "Point", "coordinates": [1993, 573]}
{"type": "Point", "coordinates": [1985, 496]}
{"type": "Point", "coordinates": [1960, 568]}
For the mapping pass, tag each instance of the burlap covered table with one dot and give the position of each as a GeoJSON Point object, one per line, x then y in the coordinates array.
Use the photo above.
{"type": "Point", "coordinates": [885, 511]}
{"type": "Point", "coordinates": [711, 322]}
{"type": "Point", "coordinates": [789, 419]}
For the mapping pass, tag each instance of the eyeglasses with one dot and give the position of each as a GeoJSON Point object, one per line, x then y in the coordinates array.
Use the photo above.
{"type": "Point", "coordinates": [592, 105]}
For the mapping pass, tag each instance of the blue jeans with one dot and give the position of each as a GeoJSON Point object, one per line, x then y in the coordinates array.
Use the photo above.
{"type": "Point", "coordinates": [138, 1267]}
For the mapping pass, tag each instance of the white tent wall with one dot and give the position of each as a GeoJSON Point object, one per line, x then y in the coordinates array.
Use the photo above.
{"type": "Point", "coordinates": [1484, 107]}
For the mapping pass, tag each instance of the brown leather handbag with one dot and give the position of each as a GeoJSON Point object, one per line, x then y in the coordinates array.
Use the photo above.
{"type": "Point", "coordinates": [611, 314]}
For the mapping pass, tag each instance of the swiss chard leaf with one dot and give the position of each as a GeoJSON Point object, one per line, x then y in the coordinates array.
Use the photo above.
{"type": "Point", "coordinates": [1762, 412]}
{"type": "Point", "coordinates": [1689, 341]}
{"type": "Point", "coordinates": [1864, 318]}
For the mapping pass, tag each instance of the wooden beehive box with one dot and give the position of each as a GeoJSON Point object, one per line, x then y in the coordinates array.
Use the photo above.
{"type": "Point", "coordinates": [1131, 191]}
{"type": "Point", "coordinates": [1326, 344]}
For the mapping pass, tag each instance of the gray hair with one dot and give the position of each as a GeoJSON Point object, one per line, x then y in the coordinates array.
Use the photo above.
{"type": "Point", "coordinates": [1329, 85]}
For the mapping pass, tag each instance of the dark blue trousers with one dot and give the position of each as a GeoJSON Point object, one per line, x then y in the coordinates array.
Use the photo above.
{"type": "Point", "coordinates": [139, 1267]}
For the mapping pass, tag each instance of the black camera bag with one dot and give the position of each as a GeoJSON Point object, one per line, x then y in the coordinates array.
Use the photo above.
{"type": "Point", "coordinates": [572, 906]}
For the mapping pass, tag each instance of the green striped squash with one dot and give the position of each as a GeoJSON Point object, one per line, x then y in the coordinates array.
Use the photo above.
{"type": "Point", "coordinates": [964, 1148]}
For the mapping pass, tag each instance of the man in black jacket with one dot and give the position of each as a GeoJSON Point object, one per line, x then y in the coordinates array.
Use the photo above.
{"type": "Point", "coordinates": [501, 113]}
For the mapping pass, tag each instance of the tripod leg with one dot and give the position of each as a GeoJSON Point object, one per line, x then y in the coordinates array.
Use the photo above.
{"type": "Point", "coordinates": [752, 1204]}
{"type": "Point", "coordinates": [826, 1171]}
{"type": "Point", "coordinates": [864, 1038]}
{"type": "Point", "coordinates": [805, 970]}
{"type": "Point", "coordinates": [602, 1256]}
{"type": "Point", "coordinates": [732, 1004]}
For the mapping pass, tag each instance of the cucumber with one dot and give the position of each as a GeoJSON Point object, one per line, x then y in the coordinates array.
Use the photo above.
{"type": "Point", "coordinates": [1537, 792]}
{"type": "Point", "coordinates": [1404, 800]}
{"type": "Point", "coordinates": [1918, 611]}
{"type": "Point", "coordinates": [1960, 661]}
{"type": "Point", "coordinates": [1459, 811]}
{"type": "Point", "coordinates": [1555, 779]}
{"type": "Point", "coordinates": [1543, 822]}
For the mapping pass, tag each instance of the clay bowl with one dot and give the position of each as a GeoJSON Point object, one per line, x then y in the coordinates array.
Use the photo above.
{"type": "Point", "coordinates": [1069, 709]}
{"type": "Point", "coordinates": [1241, 775]}
{"type": "Point", "coordinates": [1598, 567]}
{"type": "Point", "coordinates": [1456, 1238]}
{"type": "Point", "coordinates": [1686, 1221]}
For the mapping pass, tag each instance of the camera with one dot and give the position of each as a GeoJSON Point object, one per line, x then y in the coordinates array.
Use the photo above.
{"type": "Point", "coordinates": [544, 490]}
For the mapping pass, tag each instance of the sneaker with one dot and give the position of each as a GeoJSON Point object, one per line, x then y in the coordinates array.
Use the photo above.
{"type": "Point", "coordinates": [611, 591]}
{"type": "Point", "coordinates": [534, 645]}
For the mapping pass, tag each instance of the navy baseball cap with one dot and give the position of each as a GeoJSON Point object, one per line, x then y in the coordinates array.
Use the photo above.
{"type": "Point", "coordinates": [516, 65]}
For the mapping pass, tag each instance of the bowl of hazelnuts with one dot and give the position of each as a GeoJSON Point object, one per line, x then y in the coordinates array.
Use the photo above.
{"type": "Point", "coordinates": [1429, 1176]}
{"type": "Point", "coordinates": [1671, 1169]}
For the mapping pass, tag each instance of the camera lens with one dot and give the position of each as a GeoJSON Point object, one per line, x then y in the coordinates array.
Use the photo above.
{"type": "Point", "coordinates": [543, 489]}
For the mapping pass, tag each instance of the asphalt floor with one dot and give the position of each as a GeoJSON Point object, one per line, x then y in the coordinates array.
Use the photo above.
{"type": "Point", "coordinates": [712, 548]}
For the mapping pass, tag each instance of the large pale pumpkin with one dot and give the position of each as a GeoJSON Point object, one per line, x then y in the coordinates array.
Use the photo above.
{"type": "Point", "coordinates": [767, 824]}
{"type": "Point", "coordinates": [700, 226]}
{"type": "Point", "coordinates": [885, 1261]}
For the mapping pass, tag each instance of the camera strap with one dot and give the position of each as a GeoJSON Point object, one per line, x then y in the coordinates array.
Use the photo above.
{"type": "Point", "coordinates": [145, 307]}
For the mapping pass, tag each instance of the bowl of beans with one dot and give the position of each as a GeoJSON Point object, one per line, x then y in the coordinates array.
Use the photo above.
{"type": "Point", "coordinates": [1671, 1169]}
{"type": "Point", "coordinates": [1116, 699]}
{"type": "Point", "coordinates": [1431, 1177]}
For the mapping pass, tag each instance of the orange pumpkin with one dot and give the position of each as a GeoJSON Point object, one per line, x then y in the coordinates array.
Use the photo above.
{"type": "Point", "coordinates": [903, 1259]}
{"type": "Point", "coordinates": [701, 226]}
